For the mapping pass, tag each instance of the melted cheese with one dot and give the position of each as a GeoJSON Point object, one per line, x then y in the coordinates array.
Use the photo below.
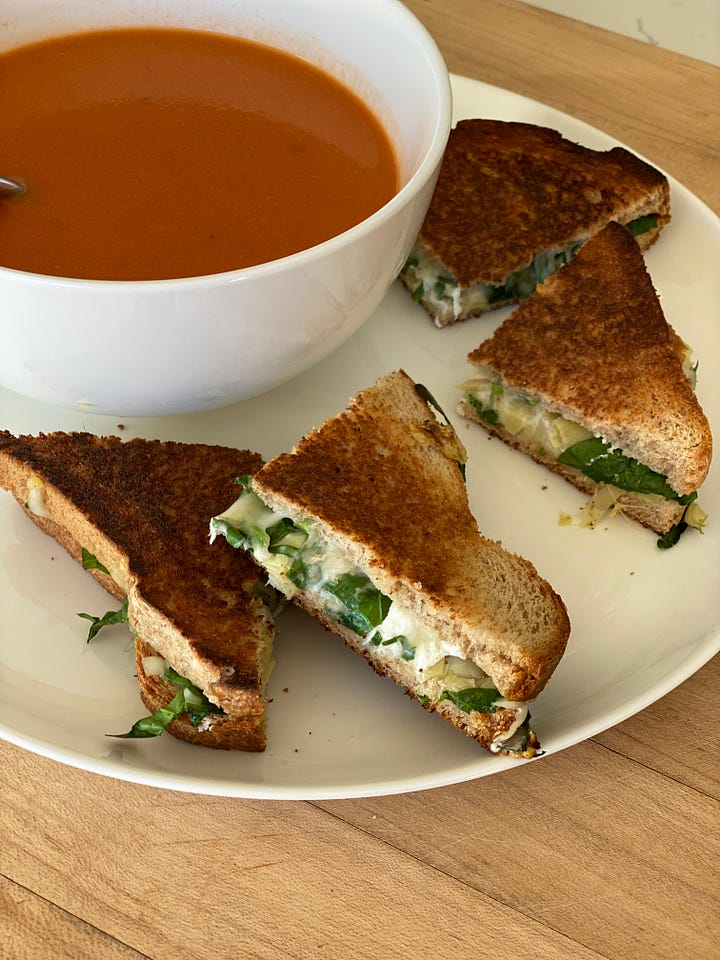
{"type": "Point", "coordinates": [524, 418]}
{"type": "Point", "coordinates": [438, 665]}
{"type": "Point", "coordinates": [35, 502]}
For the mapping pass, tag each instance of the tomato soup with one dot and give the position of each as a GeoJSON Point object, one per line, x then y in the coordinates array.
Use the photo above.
{"type": "Point", "coordinates": [160, 153]}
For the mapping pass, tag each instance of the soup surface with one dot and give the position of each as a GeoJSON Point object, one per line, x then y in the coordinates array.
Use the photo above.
{"type": "Point", "coordinates": [159, 153]}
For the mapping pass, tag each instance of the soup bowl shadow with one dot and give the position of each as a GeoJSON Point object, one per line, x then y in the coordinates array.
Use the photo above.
{"type": "Point", "coordinates": [155, 347]}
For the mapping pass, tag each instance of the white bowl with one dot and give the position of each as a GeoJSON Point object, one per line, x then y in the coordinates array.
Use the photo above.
{"type": "Point", "coordinates": [174, 346]}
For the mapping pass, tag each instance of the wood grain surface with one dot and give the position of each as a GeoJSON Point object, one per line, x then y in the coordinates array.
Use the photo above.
{"type": "Point", "coordinates": [606, 850]}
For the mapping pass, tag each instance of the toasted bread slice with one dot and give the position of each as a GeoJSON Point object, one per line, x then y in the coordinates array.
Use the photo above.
{"type": "Point", "coordinates": [592, 348]}
{"type": "Point", "coordinates": [141, 508]}
{"type": "Point", "coordinates": [379, 502]}
{"type": "Point", "coordinates": [514, 201]}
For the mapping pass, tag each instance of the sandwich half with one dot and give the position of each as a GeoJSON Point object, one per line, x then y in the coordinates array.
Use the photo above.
{"type": "Point", "coordinates": [515, 201]}
{"type": "Point", "coordinates": [366, 525]}
{"type": "Point", "coordinates": [135, 514]}
{"type": "Point", "coordinates": [589, 378]}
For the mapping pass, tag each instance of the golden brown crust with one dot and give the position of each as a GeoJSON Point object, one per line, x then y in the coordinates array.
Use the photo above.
{"type": "Point", "coordinates": [224, 732]}
{"type": "Point", "coordinates": [507, 191]}
{"type": "Point", "coordinates": [592, 343]}
{"type": "Point", "coordinates": [379, 478]}
{"type": "Point", "coordinates": [143, 507]}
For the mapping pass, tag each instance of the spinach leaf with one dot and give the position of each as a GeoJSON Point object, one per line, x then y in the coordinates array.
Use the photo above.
{"type": "Point", "coordinates": [285, 537]}
{"type": "Point", "coordinates": [485, 413]}
{"type": "Point", "coordinates": [155, 724]}
{"type": "Point", "coordinates": [91, 562]}
{"type": "Point", "coordinates": [498, 293]}
{"type": "Point", "coordinates": [422, 391]}
{"type": "Point", "coordinates": [439, 288]}
{"type": "Point", "coordinates": [642, 225]}
{"type": "Point", "coordinates": [112, 616]}
{"type": "Point", "coordinates": [521, 283]}
{"type": "Point", "coordinates": [298, 573]}
{"type": "Point", "coordinates": [472, 700]}
{"type": "Point", "coordinates": [365, 606]}
{"type": "Point", "coordinates": [597, 460]}
{"type": "Point", "coordinates": [670, 538]}
{"type": "Point", "coordinates": [518, 743]}
{"type": "Point", "coordinates": [408, 651]}
{"type": "Point", "coordinates": [236, 538]}
{"type": "Point", "coordinates": [199, 706]}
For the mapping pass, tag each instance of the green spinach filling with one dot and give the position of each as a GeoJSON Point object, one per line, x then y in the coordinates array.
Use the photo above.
{"type": "Point", "coordinates": [90, 562]}
{"type": "Point", "coordinates": [354, 600]}
{"type": "Point", "coordinates": [485, 413]}
{"type": "Point", "coordinates": [365, 607]}
{"type": "Point", "coordinates": [521, 283]}
{"type": "Point", "coordinates": [597, 460]}
{"type": "Point", "coordinates": [189, 699]}
{"type": "Point", "coordinates": [552, 436]}
{"type": "Point", "coordinates": [488, 700]}
{"type": "Point", "coordinates": [106, 620]}
{"type": "Point", "coordinates": [642, 224]}
{"type": "Point", "coordinates": [474, 699]}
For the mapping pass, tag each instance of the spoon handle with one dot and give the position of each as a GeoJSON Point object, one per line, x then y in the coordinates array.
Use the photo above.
{"type": "Point", "coordinates": [10, 186]}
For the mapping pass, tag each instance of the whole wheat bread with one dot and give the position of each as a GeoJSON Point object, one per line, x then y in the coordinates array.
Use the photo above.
{"type": "Point", "coordinates": [141, 508]}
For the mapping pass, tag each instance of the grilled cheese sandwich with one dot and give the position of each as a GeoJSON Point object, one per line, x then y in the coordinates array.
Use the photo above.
{"type": "Point", "coordinates": [513, 203]}
{"type": "Point", "coordinates": [634, 434]}
{"type": "Point", "coordinates": [343, 526]}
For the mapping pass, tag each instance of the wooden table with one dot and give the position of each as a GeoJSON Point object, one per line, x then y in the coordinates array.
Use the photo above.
{"type": "Point", "coordinates": [609, 849]}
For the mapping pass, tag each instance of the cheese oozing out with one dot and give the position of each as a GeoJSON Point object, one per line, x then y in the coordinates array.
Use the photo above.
{"type": "Point", "coordinates": [438, 666]}
{"type": "Point", "coordinates": [523, 416]}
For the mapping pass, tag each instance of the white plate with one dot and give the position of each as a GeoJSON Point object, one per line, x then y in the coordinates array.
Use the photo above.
{"type": "Point", "coordinates": [643, 619]}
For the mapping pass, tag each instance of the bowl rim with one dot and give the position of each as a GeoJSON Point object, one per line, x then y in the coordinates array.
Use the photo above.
{"type": "Point", "coordinates": [430, 160]}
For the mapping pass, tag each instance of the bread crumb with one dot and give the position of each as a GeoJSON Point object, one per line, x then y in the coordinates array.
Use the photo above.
{"type": "Point", "coordinates": [285, 689]}
{"type": "Point", "coordinates": [121, 426]}
{"type": "Point", "coordinates": [544, 487]}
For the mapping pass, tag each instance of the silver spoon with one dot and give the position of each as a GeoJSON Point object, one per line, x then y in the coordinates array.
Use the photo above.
{"type": "Point", "coordinates": [10, 187]}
